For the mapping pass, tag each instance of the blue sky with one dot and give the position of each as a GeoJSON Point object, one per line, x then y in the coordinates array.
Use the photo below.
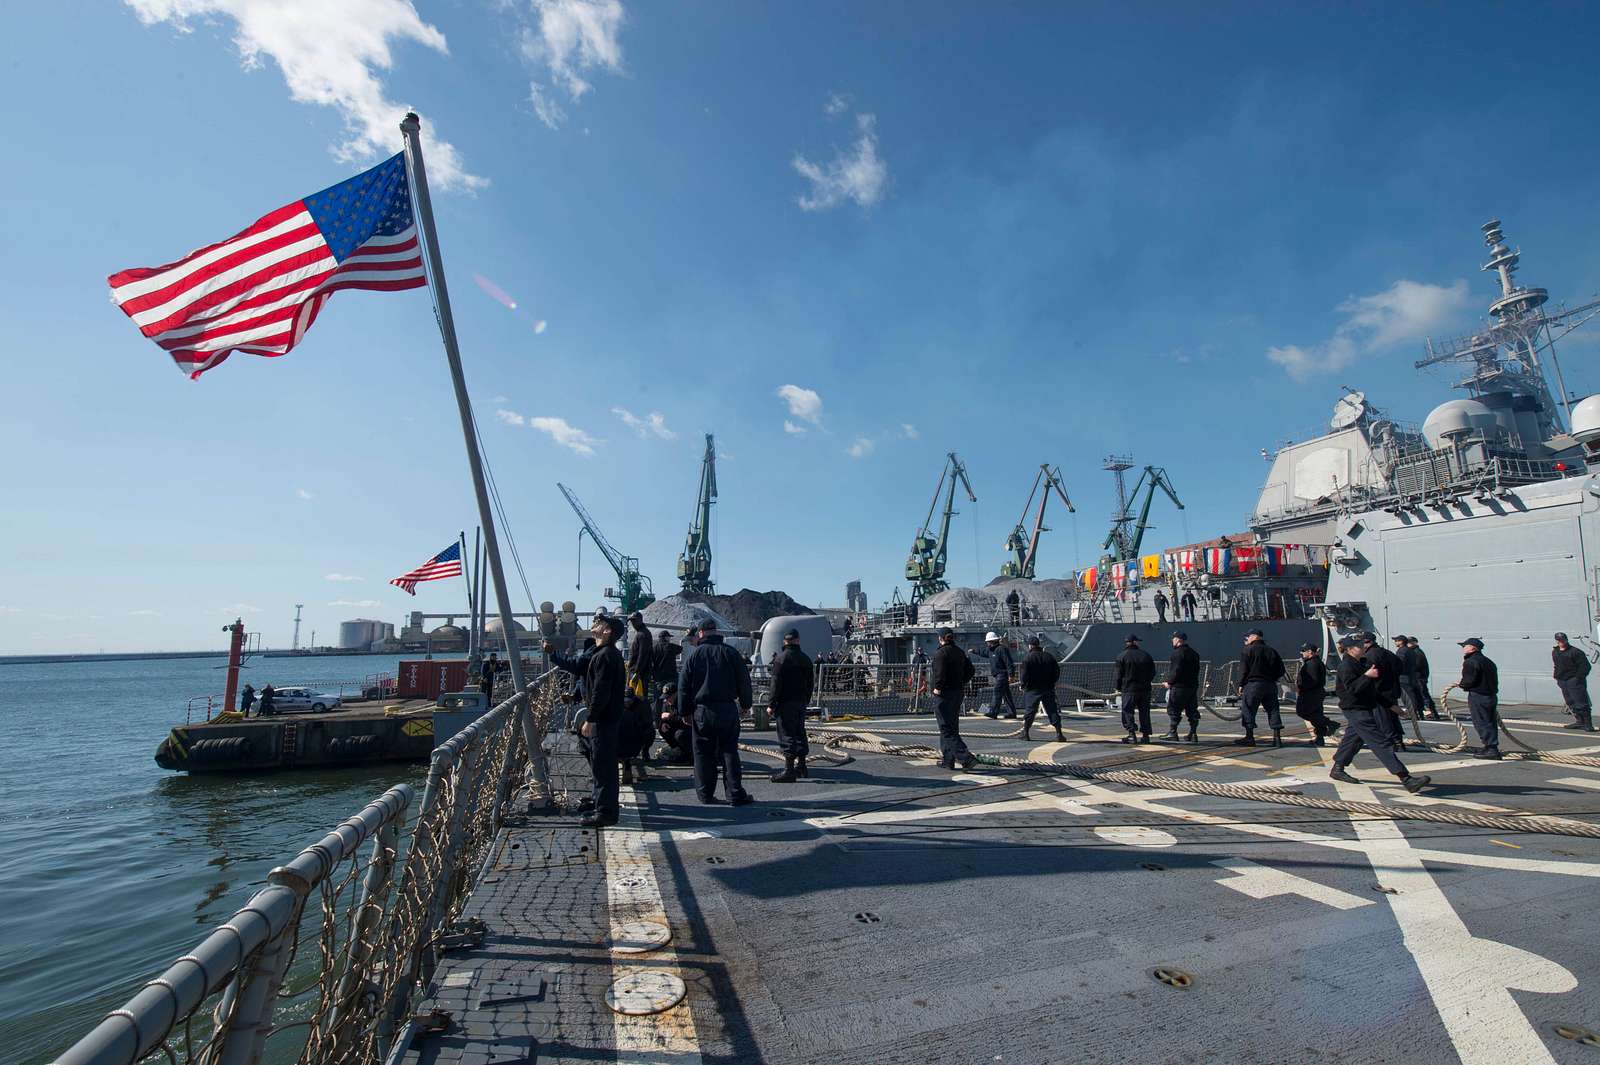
{"type": "Point", "coordinates": [1028, 232]}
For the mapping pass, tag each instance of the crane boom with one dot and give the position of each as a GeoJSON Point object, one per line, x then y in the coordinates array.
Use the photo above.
{"type": "Point", "coordinates": [694, 565]}
{"type": "Point", "coordinates": [1123, 544]}
{"type": "Point", "coordinates": [1024, 547]}
{"type": "Point", "coordinates": [633, 589]}
{"type": "Point", "coordinates": [926, 564]}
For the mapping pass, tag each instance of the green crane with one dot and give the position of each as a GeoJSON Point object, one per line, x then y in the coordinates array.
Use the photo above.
{"type": "Point", "coordinates": [633, 591]}
{"type": "Point", "coordinates": [925, 566]}
{"type": "Point", "coordinates": [694, 565]}
{"type": "Point", "coordinates": [1023, 547]}
{"type": "Point", "coordinates": [1122, 543]}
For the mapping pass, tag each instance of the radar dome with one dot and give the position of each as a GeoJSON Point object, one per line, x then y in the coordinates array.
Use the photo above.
{"type": "Point", "coordinates": [1455, 417]}
{"type": "Point", "coordinates": [1586, 421]}
{"type": "Point", "coordinates": [493, 626]}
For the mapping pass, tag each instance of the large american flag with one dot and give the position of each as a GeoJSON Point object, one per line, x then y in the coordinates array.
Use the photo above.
{"type": "Point", "coordinates": [446, 563]}
{"type": "Point", "coordinates": [260, 290]}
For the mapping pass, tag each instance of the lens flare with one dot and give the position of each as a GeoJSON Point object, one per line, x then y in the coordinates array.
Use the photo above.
{"type": "Point", "coordinates": [540, 325]}
{"type": "Point", "coordinates": [495, 292]}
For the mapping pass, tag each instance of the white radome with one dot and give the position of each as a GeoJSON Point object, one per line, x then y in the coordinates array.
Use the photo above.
{"type": "Point", "coordinates": [1586, 420]}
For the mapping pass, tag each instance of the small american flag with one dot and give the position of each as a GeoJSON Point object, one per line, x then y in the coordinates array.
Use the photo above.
{"type": "Point", "coordinates": [446, 563]}
{"type": "Point", "coordinates": [260, 290]}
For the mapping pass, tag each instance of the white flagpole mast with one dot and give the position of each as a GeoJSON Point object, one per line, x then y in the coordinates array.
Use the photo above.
{"type": "Point", "coordinates": [411, 128]}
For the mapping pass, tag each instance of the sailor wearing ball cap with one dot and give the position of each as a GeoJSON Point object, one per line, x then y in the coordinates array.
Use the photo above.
{"type": "Point", "coordinates": [1480, 679]}
{"type": "Point", "coordinates": [1134, 673]}
{"type": "Point", "coordinates": [1260, 669]}
{"type": "Point", "coordinates": [1183, 687]}
{"type": "Point", "coordinates": [1572, 677]}
{"type": "Point", "coordinates": [950, 672]}
{"type": "Point", "coordinates": [1358, 697]}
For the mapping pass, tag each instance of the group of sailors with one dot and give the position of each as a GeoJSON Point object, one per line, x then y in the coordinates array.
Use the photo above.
{"type": "Point", "coordinates": [695, 706]}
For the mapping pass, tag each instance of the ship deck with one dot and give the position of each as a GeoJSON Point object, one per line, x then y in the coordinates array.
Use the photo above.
{"type": "Point", "coordinates": [887, 911]}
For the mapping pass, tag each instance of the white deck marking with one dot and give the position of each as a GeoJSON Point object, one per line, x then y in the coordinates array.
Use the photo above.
{"type": "Point", "coordinates": [632, 894]}
{"type": "Point", "coordinates": [1264, 882]}
{"type": "Point", "coordinates": [1137, 836]}
{"type": "Point", "coordinates": [1060, 802]}
{"type": "Point", "coordinates": [1577, 782]}
{"type": "Point", "coordinates": [1469, 979]}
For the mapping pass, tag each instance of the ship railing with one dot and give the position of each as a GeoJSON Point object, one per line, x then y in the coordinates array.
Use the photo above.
{"type": "Point", "coordinates": [869, 689]}
{"type": "Point", "coordinates": [205, 705]}
{"type": "Point", "coordinates": [332, 955]}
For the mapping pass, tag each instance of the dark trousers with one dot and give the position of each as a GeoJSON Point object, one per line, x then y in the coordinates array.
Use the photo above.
{"type": "Point", "coordinates": [1575, 691]}
{"type": "Point", "coordinates": [1161, 611]}
{"type": "Point", "coordinates": [1032, 700]}
{"type": "Point", "coordinates": [1188, 611]}
{"type": "Point", "coordinates": [1485, 710]}
{"type": "Point", "coordinates": [790, 719]}
{"type": "Point", "coordinates": [1002, 692]}
{"type": "Point", "coordinates": [1136, 700]}
{"type": "Point", "coordinates": [636, 732]}
{"type": "Point", "coordinates": [1308, 705]}
{"type": "Point", "coordinates": [603, 767]}
{"type": "Point", "coordinates": [952, 748]}
{"type": "Point", "coordinates": [1422, 694]}
{"type": "Point", "coordinates": [1183, 701]}
{"type": "Point", "coordinates": [716, 750]}
{"type": "Point", "coordinates": [1258, 695]}
{"type": "Point", "coordinates": [1362, 730]}
{"type": "Point", "coordinates": [1388, 720]}
{"type": "Point", "coordinates": [680, 741]}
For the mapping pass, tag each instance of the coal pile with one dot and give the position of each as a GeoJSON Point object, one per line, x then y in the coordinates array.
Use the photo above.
{"type": "Point", "coordinates": [747, 609]}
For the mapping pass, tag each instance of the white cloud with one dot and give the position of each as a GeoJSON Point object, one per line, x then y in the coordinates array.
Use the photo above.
{"type": "Point", "coordinates": [144, 613]}
{"type": "Point", "coordinates": [335, 55]}
{"type": "Point", "coordinates": [803, 403]}
{"type": "Point", "coordinates": [365, 603]}
{"type": "Point", "coordinates": [858, 175]}
{"type": "Point", "coordinates": [653, 423]}
{"type": "Point", "coordinates": [501, 399]}
{"type": "Point", "coordinates": [909, 431]}
{"type": "Point", "coordinates": [572, 39]}
{"type": "Point", "coordinates": [239, 608]}
{"type": "Point", "coordinates": [861, 448]}
{"type": "Point", "coordinates": [792, 429]}
{"type": "Point", "coordinates": [303, 494]}
{"type": "Point", "coordinates": [1405, 312]}
{"type": "Point", "coordinates": [510, 417]}
{"type": "Point", "coordinates": [340, 577]}
{"type": "Point", "coordinates": [837, 103]}
{"type": "Point", "coordinates": [10, 610]}
{"type": "Point", "coordinates": [725, 456]}
{"type": "Point", "coordinates": [568, 436]}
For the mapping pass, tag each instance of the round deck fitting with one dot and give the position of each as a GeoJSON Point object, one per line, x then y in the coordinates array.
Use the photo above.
{"type": "Point", "coordinates": [641, 993]}
{"type": "Point", "coordinates": [639, 937]}
{"type": "Point", "coordinates": [1137, 836]}
{"type": "Point", "coordinates": [1173, 977]}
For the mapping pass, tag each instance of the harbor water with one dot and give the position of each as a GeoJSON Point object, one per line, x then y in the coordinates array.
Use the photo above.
{"type": "Point", "coordinates": [113, 867]}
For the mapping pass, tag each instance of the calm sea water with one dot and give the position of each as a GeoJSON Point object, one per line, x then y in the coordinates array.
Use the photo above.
{"type": "Point", "coordinates": [110, 867]}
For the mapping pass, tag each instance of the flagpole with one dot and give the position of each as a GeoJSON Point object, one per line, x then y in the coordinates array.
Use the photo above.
{"type": "Point", "coordinates": [411, 129]}
{"type": "Point", "coordinates": [466, 572]}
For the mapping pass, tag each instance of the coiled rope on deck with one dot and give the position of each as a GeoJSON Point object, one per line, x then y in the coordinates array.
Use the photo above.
{"type": "Point", "coordinates": [1534, 823]}
{"type": "Point", "coordinates": [1527, 753]}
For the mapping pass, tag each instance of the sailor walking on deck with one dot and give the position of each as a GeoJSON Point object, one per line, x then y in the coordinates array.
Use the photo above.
{"type": "Point", "coordinates": [641, 657]}
{"type": "Point", "coordinates": [1260, 669]}
{"type": "Point", "coordinates": [792, 681]}
{"type": "Point", "coordinates": [1310, 692]}
{"type": "Point", "coordinates": [1572, 677]}
{"type": "Point", "coordinates": [1357, 685]}
{"type": "Point", "coordinates": [1135, 671]}
{"type": "Point", "coordinates": [1419, 677]}
{"type": "Point", "coordinates": [1186, 600]}
{"type": "Point", "coordinates": [1480, 679]}
{"type": "Point", "coordinates": [951, 672]}
{"type": "Point", "coordinates": [1000, 668]}
{"type": "Point", "coordinates": [1161, 607]}
{"type": "Point", "coordinates": [1183, 688]}
{"type": "Point", "coordinates": [714, 687]}
{"type": "Point", "coordinates": [605, 686]}
{"type": "Point", "coordinates": [1039, 675]}
{"type": "Point", "coordinates": [1388, 687]}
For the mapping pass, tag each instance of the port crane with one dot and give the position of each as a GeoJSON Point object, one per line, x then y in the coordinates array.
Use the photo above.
{"type": "Point", "coordinates": [1122, 543]}
{"type": "Point", "coordinates": [925, 566]}
{"type": "Point", "coordinates": [633, 590]}
{"type": "Point", "coordinates": [694, 565]}
{"type": "Point", "coordinates": [1024, 548]}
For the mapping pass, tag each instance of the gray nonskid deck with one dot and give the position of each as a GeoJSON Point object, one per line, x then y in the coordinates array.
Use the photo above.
{"type": "Point", "coordinates": [888, 911]}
